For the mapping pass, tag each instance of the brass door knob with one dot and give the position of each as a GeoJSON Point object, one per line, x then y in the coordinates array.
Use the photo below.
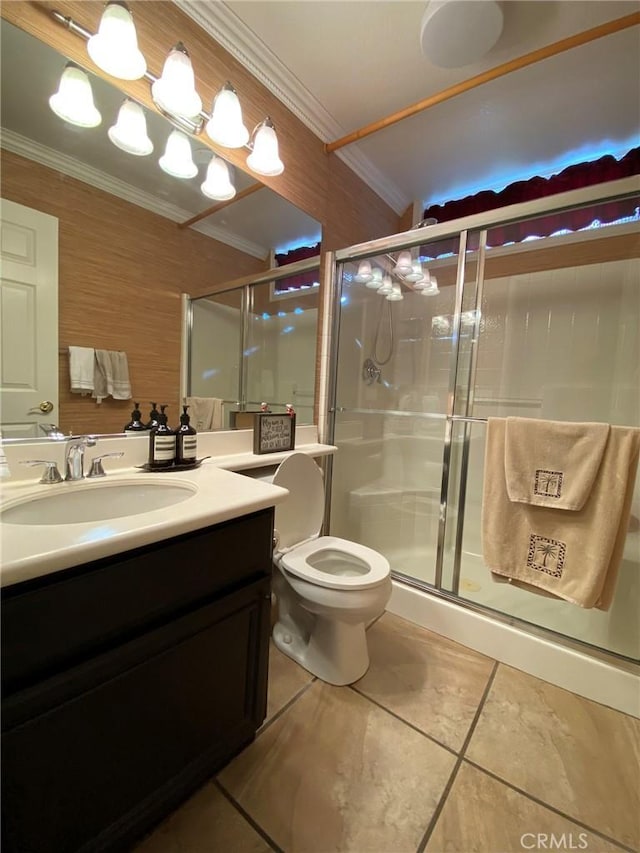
{"type": "Point", "coordinates": [43, 408]}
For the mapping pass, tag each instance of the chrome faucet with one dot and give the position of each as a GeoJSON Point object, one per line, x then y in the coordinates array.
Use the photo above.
{"type": "Point", "coordinates": [74, 456]}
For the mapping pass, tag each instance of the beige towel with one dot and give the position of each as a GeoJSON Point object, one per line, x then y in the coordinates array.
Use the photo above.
{"type": "Point", "coordinates": [81, 367]}
{"type": "Point", "coordinates": [111, 376]}
{"type": "Point", "coordinates": [552, 463]}
{"type": "Point", "coordinates": [206, 412]}
{"type": "Point", "coordinates": [572, 555]}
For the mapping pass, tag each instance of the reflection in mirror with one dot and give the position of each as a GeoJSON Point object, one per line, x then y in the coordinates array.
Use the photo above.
{"type": "Point", "coordinates": [123, 260]}
{"type": "Point", "coordinates": [256, 346]}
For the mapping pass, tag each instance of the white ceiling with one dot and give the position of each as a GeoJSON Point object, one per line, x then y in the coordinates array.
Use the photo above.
{"type": "Point", "coordinates": [341, 65]}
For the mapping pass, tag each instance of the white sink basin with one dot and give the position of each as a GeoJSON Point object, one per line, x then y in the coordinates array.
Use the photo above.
{"type": "Point", "coordinates": [90, 502]}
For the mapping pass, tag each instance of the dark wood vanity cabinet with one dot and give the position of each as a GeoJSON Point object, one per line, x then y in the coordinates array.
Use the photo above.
{"type": "Point", "coordinates": [129, 681]}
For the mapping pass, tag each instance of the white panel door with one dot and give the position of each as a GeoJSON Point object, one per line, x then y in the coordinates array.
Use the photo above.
{"type": "Point", "coordinates": [28, 320]}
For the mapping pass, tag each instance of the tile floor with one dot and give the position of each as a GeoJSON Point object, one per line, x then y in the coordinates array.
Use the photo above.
{"type": "Point", "coordinates": [436, 749]}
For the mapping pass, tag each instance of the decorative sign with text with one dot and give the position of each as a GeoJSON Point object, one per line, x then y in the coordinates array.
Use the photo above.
{"type": "Point", "coordinates": [274, 433]}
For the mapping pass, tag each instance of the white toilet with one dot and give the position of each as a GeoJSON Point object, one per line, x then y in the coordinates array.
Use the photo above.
{"type": "Point", "coordinates": [328, 589]}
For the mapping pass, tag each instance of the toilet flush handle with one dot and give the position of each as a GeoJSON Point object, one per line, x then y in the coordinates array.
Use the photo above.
{"type": "Point", "coordinates": [276, 540]}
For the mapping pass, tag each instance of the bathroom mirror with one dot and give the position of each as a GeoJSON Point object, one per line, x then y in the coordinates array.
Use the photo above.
{"type": "Point", "coordinates": [123, 259]}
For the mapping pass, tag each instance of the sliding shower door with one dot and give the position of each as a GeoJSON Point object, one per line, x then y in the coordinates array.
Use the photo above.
{"type": "Point", "coordinates": [536, 317]}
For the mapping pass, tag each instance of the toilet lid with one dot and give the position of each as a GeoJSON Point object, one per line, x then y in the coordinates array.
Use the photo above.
{"type": "Point", "coordinates": [300, 516]}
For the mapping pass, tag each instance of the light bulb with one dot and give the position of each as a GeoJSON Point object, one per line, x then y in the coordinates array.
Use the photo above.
{"type": "Point", "coordinates": [130, 130]}
{"type": "Point", "coordinates": [225, 125]}
{"type": "Point", "coordinates": [114, 48]}
{"type": "Point", "coordinates": [264, 159]}
{"type": "Point", "coordinates": [217, 184]}
{"type": "Point", "coordinates": [177, 160]}
{"type": "Point", "coordinates": [73, 101]}
{"type": "Point", "coordinates": [174, 92]}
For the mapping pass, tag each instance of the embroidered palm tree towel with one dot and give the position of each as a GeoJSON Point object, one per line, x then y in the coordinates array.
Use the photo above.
{"type": "Point", "coordinates": [571, 553]}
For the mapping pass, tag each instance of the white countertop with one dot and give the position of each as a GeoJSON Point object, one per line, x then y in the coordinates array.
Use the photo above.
{"type": "Point", "coordinates": [33, 550]}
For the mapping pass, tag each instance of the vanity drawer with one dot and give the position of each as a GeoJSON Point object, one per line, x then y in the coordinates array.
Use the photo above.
{"type": "Point", "coordinates": [57, 622]}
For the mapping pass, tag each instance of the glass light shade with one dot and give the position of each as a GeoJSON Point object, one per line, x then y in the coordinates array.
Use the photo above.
{"type": "Point", "coordinates": [416, 273]}
{"type": "Point", "coordinates": [264, 159]}
{"type": "Point", "coordinates": [114, 48]}
{"type": "Point", "coordinates": [225, 125]}
{"type": "Point", "coordinates": [387, 286]}
{"type": "Point", "coordinates": [404, 264]}
{"type": "Point", "coordinates": [217, 184]}
{"type": "Point", "coordinates": [130, 130]}
{"type": "Point", "coordinates": [177, 160]}
{"type": "Point", "coordinates": [364, 272]}
{"type": "Point", "coordinates": [375, 282]}
{"type": "Point", "coordinates": [174, 91]}
{"type": "Point", "coordinates": [396, 294]}
{"type": "Point", "coordinates": [73, 101]}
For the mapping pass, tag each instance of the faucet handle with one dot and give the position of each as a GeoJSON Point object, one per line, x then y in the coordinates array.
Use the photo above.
{"type": "Point", "coordinates": [50, 473]}
{"type": "Point", "coordinates": [96, 464]}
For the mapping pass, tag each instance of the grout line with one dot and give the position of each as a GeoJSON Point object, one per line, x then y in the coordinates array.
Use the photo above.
{"type": "Point", "coordinates": [402, 720]}
{"type": "Point", "coordinates": [247, 817]}
{"type": "Point", "coordinates": [549, 807]}
{"type": "Point", "coordinates": [276, 716]}
{"type": "Point", "coordinates": [447, 788]}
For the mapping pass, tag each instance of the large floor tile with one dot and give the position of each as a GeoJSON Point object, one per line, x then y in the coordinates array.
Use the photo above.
{"type": "Point", "coordinates": [207, 823]}
{"type": "Point", "coordinates": [286, 679]}
{"type": "Point", "coordinates": [576, 755]}
{"type": "Point", "coordinates": [433, 683]}
{"type": "Point", "coordinates": [482, 815]}
{"type": "Point", "coordinates": [336, 773]}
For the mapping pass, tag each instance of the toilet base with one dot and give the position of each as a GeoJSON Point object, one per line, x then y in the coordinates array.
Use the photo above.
{"type": "Point", "coordinates": [334, 651]}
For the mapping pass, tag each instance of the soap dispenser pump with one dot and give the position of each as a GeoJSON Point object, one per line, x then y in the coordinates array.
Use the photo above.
{"type": "Point", "coordinates": [186, 441]}
{"type": "Point", "coordinates": [154, 417]}
{"type": "Point", "coordinates": [135, 424]}
{"type": "Point", "coordinates": [162, 443]}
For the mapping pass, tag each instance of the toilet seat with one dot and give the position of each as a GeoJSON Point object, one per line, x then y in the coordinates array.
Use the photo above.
{"type": "Point", "coordinates": [297, 561]}
{"type": "Point", "coordinates": [326, 561]}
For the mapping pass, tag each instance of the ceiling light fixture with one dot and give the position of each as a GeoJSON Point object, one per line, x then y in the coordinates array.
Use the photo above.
{"type": "Point", "coordinates": [458, 32]}
{"type": "Point", "coordinates": [130, 130]}
{"type": "Point", "coordinates": [73, 102]}
{"type": "Point", "coordinates": [114, 48]}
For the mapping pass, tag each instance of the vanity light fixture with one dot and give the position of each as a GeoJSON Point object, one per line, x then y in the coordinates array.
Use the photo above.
{"type": "Point", "coordinates": [177, 159]}
{"type": "Point", "coordinates": [217, 184]}
{"type": "Point", "coordinates": [364, 274]}
{"type": "Point", "coordinates": [73, 101]}
{"type": "Point", "coordinates": [114, 48]}
{"type": "Point", "coordinates": [225, 125]}
{"type": "Point", "coordinates": [130, 130]}
{"type": "Point", "coordinates": [404, 264]}
{"type": "Point", "coordinates": [396, 293]}
{"type": "Point", "coordinates": [376, 281]}
{"type": "Point", "coordinates": [417, 274]}
{"type": "Point", "coordinates": [387, 286]}
{"type": "Point", "coordinates": [264, 158]}
{"type": "Point", "coordinates": [175, 91]}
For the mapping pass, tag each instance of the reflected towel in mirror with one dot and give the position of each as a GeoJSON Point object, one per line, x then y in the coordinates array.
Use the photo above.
{"type": "Point", "coordinates": [111, 375]}
{"type": "Point", "coordinates": [206, 412]}
{"type": "Point", "coordinates": [81, 369]}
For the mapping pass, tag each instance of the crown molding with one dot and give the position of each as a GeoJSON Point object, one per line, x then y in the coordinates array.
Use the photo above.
{"type": "Point", "coordinates": [31, 150]}
{"type": "Point", "coordinates": [240, 41]}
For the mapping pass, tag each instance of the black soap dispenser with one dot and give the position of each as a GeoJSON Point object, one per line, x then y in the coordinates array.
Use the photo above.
{"type": "Point", "coordinates": [154, 417]}
{"type": "Point", "coordinates": [162, 443]}
{"type": "Point", "coordinates": [135, 424]}
{"type": "Point", "coordinates": [186, 441]}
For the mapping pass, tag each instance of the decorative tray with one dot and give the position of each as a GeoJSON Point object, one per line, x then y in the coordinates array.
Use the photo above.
{"type": "Point", "coordinates": [177, 466]}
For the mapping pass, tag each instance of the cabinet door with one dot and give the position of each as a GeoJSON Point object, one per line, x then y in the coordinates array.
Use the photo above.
{"type": "Point", "coordinates": [97, 770]}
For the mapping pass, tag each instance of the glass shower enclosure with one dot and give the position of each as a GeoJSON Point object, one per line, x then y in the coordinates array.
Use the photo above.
{"type": "Point", "coordinates": [530, 311]}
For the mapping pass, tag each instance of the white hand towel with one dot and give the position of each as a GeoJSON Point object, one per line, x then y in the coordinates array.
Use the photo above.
{"type": "Point", "coordinates": [81, 367]}
{"type": "Point", "coordinates": [111, 375]}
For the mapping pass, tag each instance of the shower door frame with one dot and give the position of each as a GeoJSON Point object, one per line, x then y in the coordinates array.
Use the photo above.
{"type": "Point", "coordinates": [460, 228]}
